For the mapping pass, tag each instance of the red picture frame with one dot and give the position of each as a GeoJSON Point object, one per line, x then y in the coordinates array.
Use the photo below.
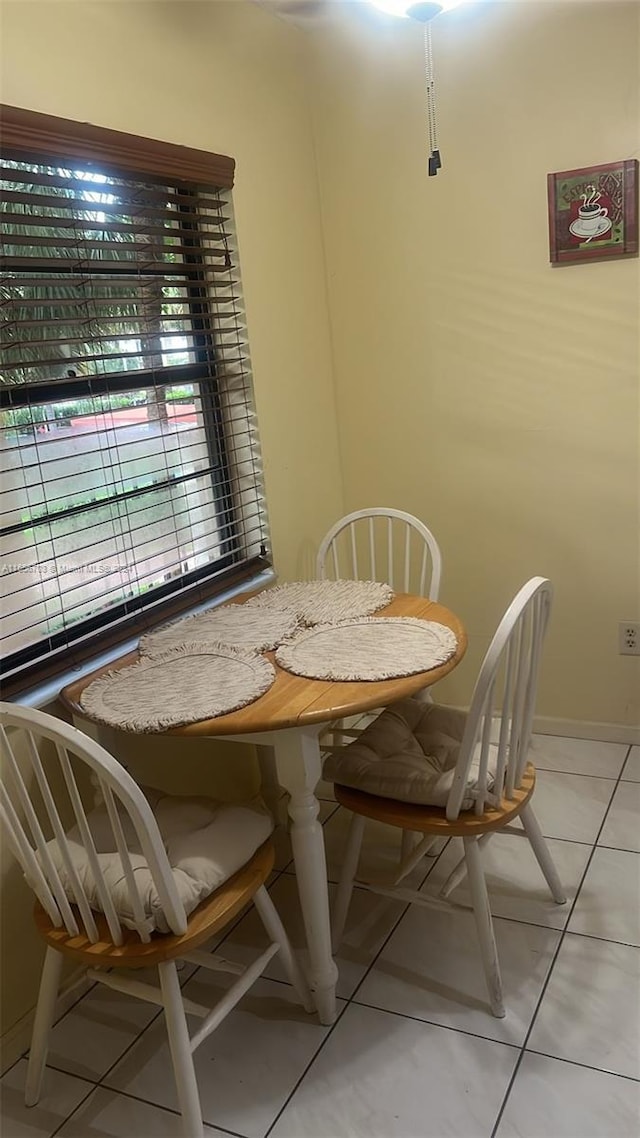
{"type": "Point", "coordinates": [593, 212]}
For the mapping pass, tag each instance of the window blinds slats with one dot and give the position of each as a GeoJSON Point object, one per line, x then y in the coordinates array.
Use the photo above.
{"type": "Point", "coordinates": [149, 265]}
{"type": "Point", "coordinates": [190, 453]}
{"type": "Point", "coordinates": [114, 578]}
{"type": "Point", "coordinates": [108, 563]}
{"type": "Point", "coordinates": [168, 322]}
{"type": "Point", "coordinates": [122, 336]}
{"type": "Point", "coordinates": [81, 358]}
{"type": "Point", "coordinates": [138, 206]}
{"type": "Point", "coordinates": [100, 549]}
{"type": "Point", "coordinates": [127, 430]}
{"type": "Point", "coordinates": [129, 193]}
{"type": "Point", "coordinates": [99, 300]}
{"type": "Point", "coordinates": [163, 325]}
{"type": "Point", "coordinates": [147, 222]}
{"type": "Point", "coordinates": [87, 248]}
{"type": "Point", "coordinates": [48, 521]}
{"type": "Point", "coordinates": [63, 213]}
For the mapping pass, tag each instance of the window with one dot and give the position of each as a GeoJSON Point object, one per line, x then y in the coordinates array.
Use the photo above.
{"type": "Point", "coordinates": [131, 480]}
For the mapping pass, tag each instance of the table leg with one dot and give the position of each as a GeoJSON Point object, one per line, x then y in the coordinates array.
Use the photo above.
{"type": "Point", "coordinates": [299, 767]}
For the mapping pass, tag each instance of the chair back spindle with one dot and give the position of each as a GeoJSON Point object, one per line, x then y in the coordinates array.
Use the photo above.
{"type": "Point", "coordinates": [106, 903]}
{"type": "Point", "coordinates": [125, 859]}
{"type": "Point", "coordinates": [31, 834]}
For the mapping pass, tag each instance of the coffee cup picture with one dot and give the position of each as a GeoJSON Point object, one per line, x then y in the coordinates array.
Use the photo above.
{"type": "Point", "coordinates": [594, 213]}
{"type": "Point", "coordinates": [593, 219]}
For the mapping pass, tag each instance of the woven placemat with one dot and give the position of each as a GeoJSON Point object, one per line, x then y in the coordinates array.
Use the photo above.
{"type": "Point", "coordinates": [258, 630]}
{"type": "Point", "coordinates": [179, 686]}
{"type": "Point", "coordinates": [326, 602]}
{"type": "Point", "coordinates": [371, 648]}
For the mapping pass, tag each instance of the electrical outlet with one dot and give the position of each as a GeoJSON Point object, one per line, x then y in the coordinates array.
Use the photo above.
{"type": "Point", "coordinates": [629, 638]}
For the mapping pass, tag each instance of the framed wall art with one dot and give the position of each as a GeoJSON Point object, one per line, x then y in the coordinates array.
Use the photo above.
{"type": "Point", "coordinates": [593, 212]}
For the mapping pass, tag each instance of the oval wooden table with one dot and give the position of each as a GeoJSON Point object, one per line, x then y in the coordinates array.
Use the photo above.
{"type": "Point", "coordinates": [287, 721]}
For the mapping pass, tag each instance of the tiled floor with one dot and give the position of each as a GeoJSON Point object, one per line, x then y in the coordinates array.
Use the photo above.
{"type": "Point", "coordinates": [414, 1052]}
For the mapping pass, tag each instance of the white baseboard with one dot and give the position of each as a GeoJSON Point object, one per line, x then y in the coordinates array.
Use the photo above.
{"type": "Point", "coordinates": [16, 1040]}
{"type": "Point", "coordinates": [584, 729]}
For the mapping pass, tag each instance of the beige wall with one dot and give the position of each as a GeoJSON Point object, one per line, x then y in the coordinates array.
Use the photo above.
{"type": "Point", "coordinates": [493, 396]}
{"type": "Point", "coordinates": [227, 78]}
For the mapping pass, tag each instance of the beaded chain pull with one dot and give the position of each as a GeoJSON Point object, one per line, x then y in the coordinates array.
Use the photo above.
{"type": "Point", "coordinates": [434, 154]}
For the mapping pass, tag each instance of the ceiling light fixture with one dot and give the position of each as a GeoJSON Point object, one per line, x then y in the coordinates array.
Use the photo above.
{"type": "Point", "coordinates": [404, 8]}
{"type": "Point", "coordinates": [423, 13]}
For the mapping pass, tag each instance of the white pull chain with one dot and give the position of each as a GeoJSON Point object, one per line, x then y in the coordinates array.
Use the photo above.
{"type": "Point", "coordinates": [434, 153]}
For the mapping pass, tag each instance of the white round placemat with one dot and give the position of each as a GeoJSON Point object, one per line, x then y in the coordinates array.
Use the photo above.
{"type": "Point", "coordinates": [179, 686]}
{"type": "Point", "coordinates": [326, 602]}
{"type": "Point", "coordinates": [256, 630]}
{"type": "Point", "coordinates": [372, 648]}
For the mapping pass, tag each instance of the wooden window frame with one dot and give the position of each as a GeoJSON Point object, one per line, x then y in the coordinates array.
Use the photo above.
{"type": "Point", "coordinates": [29, 135]}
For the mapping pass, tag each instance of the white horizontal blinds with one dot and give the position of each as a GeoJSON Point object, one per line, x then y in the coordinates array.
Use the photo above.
{"type": "Point", "coordinates": [97, 507]}
{"type": "Point", "coordinates": [128, 441]}
{"type": "Point", "coordinates": [97, 290]}
{"type": "Point", "coordinates": [236, 404]}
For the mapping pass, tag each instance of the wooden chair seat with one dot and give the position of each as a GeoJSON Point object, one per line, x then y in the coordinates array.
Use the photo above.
{"type": "Point", "coordinates": [433, 819]}
{"type": "Point", "coordinates": [211, 915]}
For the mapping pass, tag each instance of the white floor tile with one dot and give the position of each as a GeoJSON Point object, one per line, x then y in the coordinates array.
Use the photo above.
{"type": "Point", "coordinates": [515, 883]}
{"type": "Point", "coordinates": [577, 756]}
{"type": "Point", "coordinates": [109, 1115]}
{"type": "Point", "coordinates": [383, 1076]}
{"type": "Point", "coordinates": [607, 906]}
{"type": "Point", "coordinates": [622, 827]}
{"type": "Point", "coordinates": [631, 772]}
{"type": "Point", "coordinates": [96, 1032]}
{"type": "Point", "coordinates": [61, 1094]}
{"type": "Point", "coordinates": [571, 806]}
{"type": "Point", "coordinates": [554, 1098]}
{"type": "Point", "coordinates": [245, 1069]}
{"type": "Point", "coordinates": [370, 920]}
{"type": "Point", "coordinates": [591, 1008]}
{"type": "Point", "coordinates": [431, 968]}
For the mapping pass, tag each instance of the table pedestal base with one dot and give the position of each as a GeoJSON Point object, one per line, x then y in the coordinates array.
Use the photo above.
{"type": "Point", "coordinates": [298, 769]}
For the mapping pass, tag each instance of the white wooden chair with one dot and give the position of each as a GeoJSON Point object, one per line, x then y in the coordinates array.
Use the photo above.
{"type": "Point", "coordinates": [381, 544]}
{"type": "Point", "coordinates": [491, 774]}
{"type": "Point", "coordinates": [105, 922]}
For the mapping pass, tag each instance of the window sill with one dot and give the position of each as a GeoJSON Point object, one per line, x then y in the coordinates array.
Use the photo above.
{"type": "Point", "coordinates": [45, 693]}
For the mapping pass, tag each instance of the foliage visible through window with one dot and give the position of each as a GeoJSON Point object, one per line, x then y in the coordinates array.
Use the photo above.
{"type": "Point", "coordinates": [127, 434]}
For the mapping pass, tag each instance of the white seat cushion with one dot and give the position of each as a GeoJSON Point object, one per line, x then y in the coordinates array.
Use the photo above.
{"type": "Point", "coordinates": [408, 753]}
{"type": "Point", "coordinates": [206, 843]}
